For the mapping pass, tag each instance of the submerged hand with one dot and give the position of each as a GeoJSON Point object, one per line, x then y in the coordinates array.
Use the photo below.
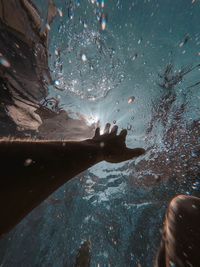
{"type": "Point", "coordinates": [113, 146]}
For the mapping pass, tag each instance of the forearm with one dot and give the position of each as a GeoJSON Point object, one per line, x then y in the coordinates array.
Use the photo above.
{"type": "Point", "coordinates": [42, 156]}
{"type": "Point", "coordinates": [31, 170]}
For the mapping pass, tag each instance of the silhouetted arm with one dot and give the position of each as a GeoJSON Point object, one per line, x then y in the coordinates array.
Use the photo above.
{"type": "Point", "coordinates": [31, 170]}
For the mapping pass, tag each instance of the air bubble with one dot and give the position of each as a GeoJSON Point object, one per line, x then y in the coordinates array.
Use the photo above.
{"type": "Point", "coordinates": [131, 99]}
{"type": "Point", "coordinates": [129, 127]}
{"type": "Point", "coordinates": [83, 57]}
{"type": "Point", "coordinates": [4, 62]}
{"type": "Point", "coordinates": [28, 162]}
{"type": "Point", "coordinates": [60, 12]}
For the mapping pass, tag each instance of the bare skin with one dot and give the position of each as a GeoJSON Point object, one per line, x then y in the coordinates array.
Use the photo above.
{"type": "Point", "coordinates": [181, 234]}
{"type": "Point", "coordinates": [32, 170]}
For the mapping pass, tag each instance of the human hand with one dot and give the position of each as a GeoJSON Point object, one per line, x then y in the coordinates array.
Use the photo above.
{"type": "Point", "coordinates": [113, 146]}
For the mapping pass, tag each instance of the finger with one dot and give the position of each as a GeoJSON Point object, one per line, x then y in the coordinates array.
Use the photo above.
{"type": "Point", "coordinates": [123, 134]}
{"type": "Point", "coordinates": [107, 128]}
{"type": "Point", "coordinates": [135, 152]}
{"type": "Point", "coordinates": [114, 130]}
{"type": "Point", "coordinates": [97, 132]}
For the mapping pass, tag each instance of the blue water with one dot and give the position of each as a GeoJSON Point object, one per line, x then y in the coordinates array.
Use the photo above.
{"type": "Point", "coordinates": [119, 208]}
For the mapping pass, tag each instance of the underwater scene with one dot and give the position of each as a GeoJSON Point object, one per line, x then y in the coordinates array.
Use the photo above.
{"type": "Point", "coordinates": [132, 63]}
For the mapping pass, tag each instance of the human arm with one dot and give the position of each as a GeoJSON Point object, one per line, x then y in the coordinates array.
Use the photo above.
{"type": "Point", "coordinates": [31, 170]}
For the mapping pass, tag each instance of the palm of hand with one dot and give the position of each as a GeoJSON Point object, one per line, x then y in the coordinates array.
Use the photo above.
{"type": "Point", "coordinates": [113, 146]}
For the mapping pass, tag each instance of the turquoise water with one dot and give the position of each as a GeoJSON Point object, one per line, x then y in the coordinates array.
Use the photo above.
{"type": "Point", "coordinates": [119, 208]}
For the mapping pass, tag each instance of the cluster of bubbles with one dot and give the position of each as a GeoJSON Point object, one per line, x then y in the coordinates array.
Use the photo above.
{"type": "Point", "coordinates": [99, 11]}
{"type": "Point", "coordinates": [85, 62]}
